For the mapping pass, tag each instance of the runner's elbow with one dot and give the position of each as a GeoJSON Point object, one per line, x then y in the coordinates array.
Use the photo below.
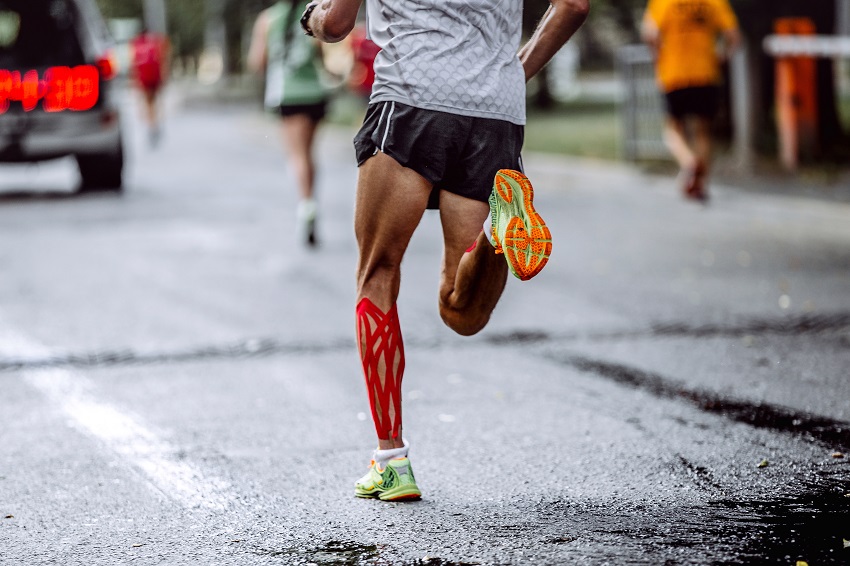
{"type": "Point", "coordinates": [577, 8]}
{"type": "Point", "coordinates": [335, 29]}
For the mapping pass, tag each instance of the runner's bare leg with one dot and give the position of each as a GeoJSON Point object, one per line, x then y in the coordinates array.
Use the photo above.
{"type": "Point", "coordinates": [390, 202]}
{"type": "Point", "coordinates": [676, 139]}
{"type": "Point", "coordinates": [150, 96]}
{"type": "Point", "coordinates": [473, 276]}
{"type": "Point", "coordinates": [298, 134]}
{"type": "Point", "coordinates": [702, 140]}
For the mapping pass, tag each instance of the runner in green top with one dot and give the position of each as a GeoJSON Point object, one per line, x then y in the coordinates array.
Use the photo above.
{"type": "Point", "coordinates": [292, 64]}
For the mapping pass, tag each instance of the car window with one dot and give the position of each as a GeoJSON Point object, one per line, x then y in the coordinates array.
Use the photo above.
{"type": "Point", "coordinates": [36, 34]}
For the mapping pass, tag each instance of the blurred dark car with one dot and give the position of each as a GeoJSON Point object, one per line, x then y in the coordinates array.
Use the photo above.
{"type": "Point", "coordinates": [56, 94]}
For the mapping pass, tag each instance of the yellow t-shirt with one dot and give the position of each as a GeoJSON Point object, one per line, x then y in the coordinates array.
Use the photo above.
{"type": "Point", "coordinates": [688, 30]}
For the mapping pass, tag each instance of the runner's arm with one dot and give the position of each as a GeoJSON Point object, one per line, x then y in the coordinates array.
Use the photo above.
{"type": "Point", "coordinates": [559, 23]}
{"type": "Point", "coordinates": [257, 50]}
{"type": "Point", "coordinates": [650, 34]}
{"type": "Point", "coordinates": [731, 41]}
{"type": "Point", "coordinates": [332, 20]}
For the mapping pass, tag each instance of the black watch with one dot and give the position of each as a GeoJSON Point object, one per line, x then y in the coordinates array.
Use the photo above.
{"type": "Point", "coordinates": [305, 18]}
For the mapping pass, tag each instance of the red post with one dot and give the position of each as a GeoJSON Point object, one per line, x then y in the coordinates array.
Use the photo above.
{"type": "Point", "coordinates": [796, 97]}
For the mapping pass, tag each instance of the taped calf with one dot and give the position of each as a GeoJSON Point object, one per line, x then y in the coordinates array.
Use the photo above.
{"type": "Point", "coordinates": [382, 354]}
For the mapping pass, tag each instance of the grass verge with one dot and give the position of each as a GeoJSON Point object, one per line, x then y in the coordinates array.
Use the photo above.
{"type": "Point", "coordinates": [582, 128]}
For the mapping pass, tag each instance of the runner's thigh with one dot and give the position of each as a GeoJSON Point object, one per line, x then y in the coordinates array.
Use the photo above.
{"type": "Point", "coordinates": [389, 205]}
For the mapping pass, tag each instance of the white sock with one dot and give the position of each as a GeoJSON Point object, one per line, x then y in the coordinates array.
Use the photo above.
{"type": "Point", "coordinates": [307, 209]}
{"type": "Point", "coordinates": [488, 231]}
{"type": "Point", "coordinates": [382, 457]}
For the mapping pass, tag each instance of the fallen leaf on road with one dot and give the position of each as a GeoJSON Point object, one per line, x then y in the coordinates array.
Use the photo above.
{"type": "Point", "coordinates": [9, 517]}
{"type": "Point", "coordinates": [138, 545]}
{"type": "Point", "coordinates": [764, 464]}
{"type": "Point", "coordinates": [837, 455]}
{"type": "Point", "coordinates": [802, 563]}
{"type": "Point", "coordinates": [236, 540]}
{"type": "Point", "coordinates": [846, 543]}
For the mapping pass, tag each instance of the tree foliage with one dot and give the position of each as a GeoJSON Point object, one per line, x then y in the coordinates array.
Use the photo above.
{"type": "Point", "coordinates": [186, 21]}
{"type": "Point", "coordinates": [120, 8]}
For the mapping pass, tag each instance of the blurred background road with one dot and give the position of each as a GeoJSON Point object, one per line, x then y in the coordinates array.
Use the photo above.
{"type": "Point", "coordinates": [180, 386]}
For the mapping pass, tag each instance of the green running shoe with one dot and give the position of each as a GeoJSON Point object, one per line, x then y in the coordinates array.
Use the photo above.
{"type": "Point", "coordinates": [393, 483]}
{"type": "Point", "coordinates": [516, 229]}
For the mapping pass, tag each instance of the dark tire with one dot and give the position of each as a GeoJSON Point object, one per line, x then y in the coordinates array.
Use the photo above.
{"type": "Point", "coordinates": [102, 172]}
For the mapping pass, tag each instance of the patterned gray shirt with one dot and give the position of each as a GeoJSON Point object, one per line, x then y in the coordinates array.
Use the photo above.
{"type": "Point", "coordinates": [456, 56]}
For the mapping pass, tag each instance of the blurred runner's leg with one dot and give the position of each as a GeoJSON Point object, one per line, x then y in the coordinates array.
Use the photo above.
{"type": "Point", "coordinates": [299, 131]}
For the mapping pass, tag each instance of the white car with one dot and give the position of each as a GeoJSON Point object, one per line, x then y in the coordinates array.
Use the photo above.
{"type": "Point", "coordinates": [56, 94]}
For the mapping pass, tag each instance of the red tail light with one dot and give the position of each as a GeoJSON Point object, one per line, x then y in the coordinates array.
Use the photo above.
{"type": "Point", "coordinates": [62, 88]}
{"type": "Point", "coordinates": [107, 68]}
{"type": "Point", "coordinates": [71, 89]}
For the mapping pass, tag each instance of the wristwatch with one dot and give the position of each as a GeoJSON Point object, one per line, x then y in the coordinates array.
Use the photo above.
{"type": "Point", "coordinates": [305, 18]}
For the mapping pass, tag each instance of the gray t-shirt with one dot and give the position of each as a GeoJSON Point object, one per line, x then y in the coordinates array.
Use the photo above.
{"type": "Point", "coordinates": [456, 56]}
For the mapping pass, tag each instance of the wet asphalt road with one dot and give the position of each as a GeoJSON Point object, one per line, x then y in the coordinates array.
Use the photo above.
{"type": "Point", "coordinates": [178, 383]}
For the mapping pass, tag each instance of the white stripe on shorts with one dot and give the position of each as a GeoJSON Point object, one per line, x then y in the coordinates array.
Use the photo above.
{"type": "Point", "coordinates": [381, 118]}
{"type": "Point", "coordinates": [389, 120]}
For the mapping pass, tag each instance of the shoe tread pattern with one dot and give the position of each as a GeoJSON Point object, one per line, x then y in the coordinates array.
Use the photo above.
{"type": "Point", "coordinates": [527, 242]}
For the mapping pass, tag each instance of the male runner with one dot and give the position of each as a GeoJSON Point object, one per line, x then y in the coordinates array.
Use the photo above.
{"type": "Point", "coordinates": [445, 119]}
{"type": "Point", "coordinates": [683, 35]}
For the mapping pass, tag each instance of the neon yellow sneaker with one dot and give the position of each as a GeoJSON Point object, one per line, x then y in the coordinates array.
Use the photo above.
{"type": "Point", "coordinates": [516, 229]}
{"type": "Point", "coordinates": [393, 483]}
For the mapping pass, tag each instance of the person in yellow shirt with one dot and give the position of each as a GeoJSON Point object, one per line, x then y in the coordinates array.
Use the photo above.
{"type": "Point", "coordinates": [684, 36]}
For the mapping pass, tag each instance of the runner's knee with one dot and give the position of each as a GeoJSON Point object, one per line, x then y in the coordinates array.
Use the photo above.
{"type": "Point", "coordinates": [464, 322]}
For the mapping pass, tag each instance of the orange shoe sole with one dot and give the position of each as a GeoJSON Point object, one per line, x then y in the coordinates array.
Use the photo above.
{"type": "Point", "coordinates": [528, 242]}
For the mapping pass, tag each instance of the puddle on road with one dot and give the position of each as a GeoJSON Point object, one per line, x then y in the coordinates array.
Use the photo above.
{"type": "Point", "coordinates": [811, 525]}
{"type": "Point", "coordinates": [334, 553]}
{"type": "Point", "coordinates": [810, 528]}
{"type": "Point", "coordinates": [433, 561]}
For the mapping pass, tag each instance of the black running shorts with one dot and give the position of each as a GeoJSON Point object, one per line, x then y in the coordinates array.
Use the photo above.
{"type": "Point", "coordinates": [702, 101]}
{"type": "Point", "coordinates": [459, 154]}
{"type": "Point", "coordinates": [315, 111]}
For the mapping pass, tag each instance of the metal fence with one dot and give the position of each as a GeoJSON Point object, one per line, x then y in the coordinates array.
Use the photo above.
{"type": "Point", "coordinates": [642, 110]}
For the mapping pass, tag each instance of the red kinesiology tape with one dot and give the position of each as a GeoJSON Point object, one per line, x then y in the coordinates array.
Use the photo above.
{"type": "Point", "coordinates": [382, 353]}
{"type": "Point", "coordinates": [474, 243]}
